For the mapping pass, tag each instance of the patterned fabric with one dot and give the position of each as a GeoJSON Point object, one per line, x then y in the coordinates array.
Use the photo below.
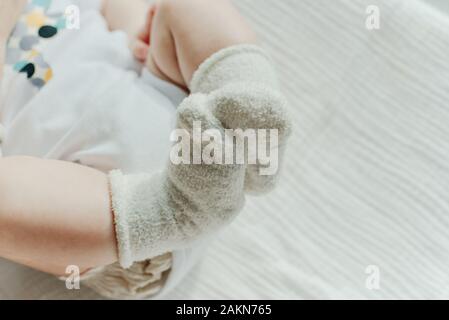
{"type": "Point", "coordinates": [34, 28]}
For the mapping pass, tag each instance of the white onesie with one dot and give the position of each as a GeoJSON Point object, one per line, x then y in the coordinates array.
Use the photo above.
{"type": "Point", "coordinates": [76, 95]}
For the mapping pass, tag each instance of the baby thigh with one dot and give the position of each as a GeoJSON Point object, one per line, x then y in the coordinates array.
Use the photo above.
{"type": "Point", "coordinates": [199, 29]}
{"type": "Point", "coordinates": [54, 214]}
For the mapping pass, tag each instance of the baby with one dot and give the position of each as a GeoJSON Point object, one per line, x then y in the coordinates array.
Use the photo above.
{"type": "Point", "coordinates": [79, 96]}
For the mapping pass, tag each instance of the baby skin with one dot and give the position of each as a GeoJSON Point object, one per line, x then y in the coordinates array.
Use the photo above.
{"type": "Point", "coordinates": [53, 213]}
{"type": "Point", "coordinates": [178, 35]}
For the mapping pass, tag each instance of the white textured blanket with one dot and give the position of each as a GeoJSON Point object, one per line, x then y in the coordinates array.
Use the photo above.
{"type": "Point", "coordinates": [366, 181]}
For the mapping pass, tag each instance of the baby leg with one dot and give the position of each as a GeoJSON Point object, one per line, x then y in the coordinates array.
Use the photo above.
{"type": "Point", "coordinates": [128, 16]}
{"type": "Point", "coordinates": [185, 33]}
{"type": "Point", "coordinates": [54, 214]}
{"type": "Point", "coordinates": [236, 88]}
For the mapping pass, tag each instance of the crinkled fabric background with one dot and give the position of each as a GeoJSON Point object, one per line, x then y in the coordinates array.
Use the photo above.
{"type": "Point", "coordinates": [366, 181]}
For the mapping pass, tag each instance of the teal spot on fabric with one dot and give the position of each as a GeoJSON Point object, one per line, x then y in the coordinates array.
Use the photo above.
{"type": "Point", "coordinates": [29, 69]}
{"type": "Point", "coordinates": [20, 65]}
{"type": "Point", "coordinates": [61, 23]}
{"type": "Point", "coordinates": [47, 31]}
{"type": "Point", "coordinates": [42, 3]}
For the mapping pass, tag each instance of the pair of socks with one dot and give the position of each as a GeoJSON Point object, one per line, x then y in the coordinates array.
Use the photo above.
{"type": "Point", "coordinates": [236, 88]}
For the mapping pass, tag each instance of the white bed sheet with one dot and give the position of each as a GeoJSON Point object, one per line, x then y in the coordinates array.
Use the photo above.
{"type": "Point", "coordinates": [366, 181]}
